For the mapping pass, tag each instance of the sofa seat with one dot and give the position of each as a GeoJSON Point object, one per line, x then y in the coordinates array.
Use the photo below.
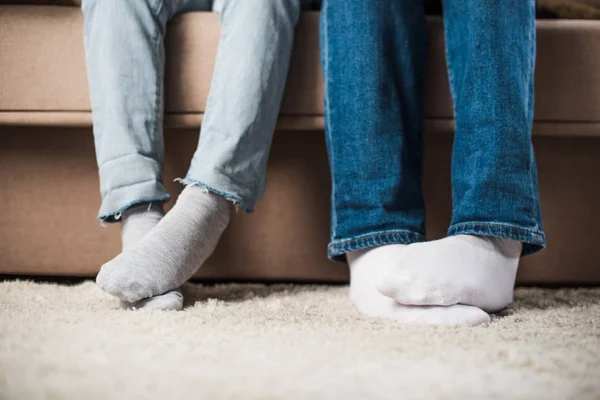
{"type": "Point", "coordinates": [43, 75]}
{"type": "Point", "coordinates": [48, 177]}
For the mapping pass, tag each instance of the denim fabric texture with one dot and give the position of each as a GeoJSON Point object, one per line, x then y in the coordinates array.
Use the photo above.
{"type": "Point", "coordinates": [125, 56]}
{"type": "Point", "coordinates": [373, 56]}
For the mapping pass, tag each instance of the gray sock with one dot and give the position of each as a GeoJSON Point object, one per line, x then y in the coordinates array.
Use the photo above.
{"type": "Point", "coordinates": [172, 252]}
{"type": "Point", "coordinates": [136, 222]}
{"type": "Point", "coordinates": [170, 301]}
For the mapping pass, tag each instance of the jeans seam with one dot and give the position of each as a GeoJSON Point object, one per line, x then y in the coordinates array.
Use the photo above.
{"type": "Point", "coordinates": [368, 236]}
{"type": "Point", "coordinates": [366, 242]}
{"type": "Point", "coordinates": [210, 98]}
{"type": "Point", "coordinates": [244, 187]}
{"type": "Point", "coordinates": [106, 217]}
{"type": "Point", "coordinates": [531, 99]}
{"type": "Point", "coordinates": [326, 104]}
{"type": "Point", "coordinates": [495, 224]}
{"type": "Point", "coordinates": [234, 198]}
{"type": "Point", "coordinates": [533, 241]}
{"type": "Point", "coordinates": [450, 69]}
{"type": "Point", "coordinates": [453, 94]}
{"type": "Point", "coordinates": [336, 250]}
{"type": "Point", "coordinates": [158, 101]}
{"type": "Point", "coordinates": [136, 183]}
{"type": "Point", "coordinates": [111, 160]}
{"type": "Point", "coordinates": [217, 70]}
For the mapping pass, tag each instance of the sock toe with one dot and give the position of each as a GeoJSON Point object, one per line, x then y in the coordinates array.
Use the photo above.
{"type": "Point", "coordinates": [132, 292]}
{"type": "Point", "coordinates": [476, 316]}
{"type": "Point", "coordinates": [453, 315]}
{"type": "Point", "coordinates": [105, 280]}
{"type": "Point", "coordinates": [405, 288]}
{"type": "Point", "coordinates": [170, 301]}
{"type": "Point", "coordinates": [410, 292]}
{"type": "Point", "coordinates": [391, 281]}
{"type": "Point", "coordinates": [463, 269]}
{"type": "Point", "coordinates": [120, 286]}
{"type": "Point", "coordinates": [386, 284]}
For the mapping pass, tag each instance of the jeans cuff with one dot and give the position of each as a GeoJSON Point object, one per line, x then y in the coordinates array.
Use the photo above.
{"type": "Point", "coordinates": [338, 248]}
{"type": "Point", "coordinates": [122, 198]}
{"type": "Point", "coordinates": [533, 240]}
{"type": "Point", "coordinates": [234, 198]}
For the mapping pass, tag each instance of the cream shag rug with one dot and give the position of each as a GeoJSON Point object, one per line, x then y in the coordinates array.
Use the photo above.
{"type": "Point", "coordinates": [289, 342]}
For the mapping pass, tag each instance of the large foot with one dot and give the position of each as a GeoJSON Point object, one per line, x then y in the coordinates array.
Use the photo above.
{"type": "Point", "coordinates": [364, 268]}
{"type": "Point", "coordinates": [470, 270]}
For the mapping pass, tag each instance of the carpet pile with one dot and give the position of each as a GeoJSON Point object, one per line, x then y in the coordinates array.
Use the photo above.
{"type": "Point", "coordinates": [288, 342]}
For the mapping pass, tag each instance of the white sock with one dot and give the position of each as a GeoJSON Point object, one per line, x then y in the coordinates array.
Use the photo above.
{"type": "Point", "coordinates": [364, 267]}
{"type": "Point", "coordinates": [172, 252]}
{"type": "Point", "coordinates": [463, 269]}
{"type": "Point", "coordinates": [136, 222]}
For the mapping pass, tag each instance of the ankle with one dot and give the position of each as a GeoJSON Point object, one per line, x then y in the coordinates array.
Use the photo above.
{"type": "Point", "coordinates": [142, 210]}
{"type": "Point", "coordinates": [198, 196]}
{"type": "Point", "coordinates": [138, 220]}
{"type": "Point", "coordinates": [352, 256]}
{"type": "Point", "coordinates": [365, 264]}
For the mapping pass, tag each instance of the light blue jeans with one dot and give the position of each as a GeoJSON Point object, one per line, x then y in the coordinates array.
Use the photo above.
{"type": "Point", "coordinates": [125, 56]}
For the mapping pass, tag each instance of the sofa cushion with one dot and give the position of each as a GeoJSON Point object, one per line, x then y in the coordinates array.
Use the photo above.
{"type": "Point", "coordinates": [43, 78]}
{"type": "Point", "coordinates": [563, 9]}
{"type": "Point", "coordinates": [569, 9]}
{"type": "Point", "coordinates": [73, 3]}
{"type": "Point", "coordinates": [566, 9]}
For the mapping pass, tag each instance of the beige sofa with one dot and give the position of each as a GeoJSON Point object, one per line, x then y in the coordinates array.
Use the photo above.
{"type": "Point", "coordinates": [48, 179]}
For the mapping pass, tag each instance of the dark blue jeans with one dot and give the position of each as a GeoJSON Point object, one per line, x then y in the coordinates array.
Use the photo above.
{"type": "Point", "coordinates": [373, 55]}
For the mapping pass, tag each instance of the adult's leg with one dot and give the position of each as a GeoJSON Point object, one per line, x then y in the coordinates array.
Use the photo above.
{"type": "Point", "coordinates": [125, 63]}
{"type": "Point", "coordinates": [373, 55]}
{"type": "Point", "coordinates": [496, 213]}
{"type": "Point", "coordinates": [230, 163]}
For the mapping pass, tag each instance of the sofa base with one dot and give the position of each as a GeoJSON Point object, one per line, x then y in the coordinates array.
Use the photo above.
{"type": "Point", "coordinates": [49, 197]}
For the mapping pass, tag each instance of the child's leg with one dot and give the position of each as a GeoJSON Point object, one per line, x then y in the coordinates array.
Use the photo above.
{"type": "Point", "coordinates": [496, 213]}
{"type": "Point", "coordinates": [125, 62]}
{"type": "Point", "coordinates": [230, 163]}
{"type": "Point", "coordinates": [373, 55]}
